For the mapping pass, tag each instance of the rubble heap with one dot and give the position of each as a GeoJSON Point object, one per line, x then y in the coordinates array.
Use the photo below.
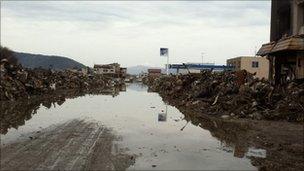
{"type": "Point", "coordinates": [17, 82]}
{"type": "Point", "coordinates": [233, 94]}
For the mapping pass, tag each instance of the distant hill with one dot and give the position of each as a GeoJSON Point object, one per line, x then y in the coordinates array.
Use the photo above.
{"type": "Point", "coordinates": [28, 60]}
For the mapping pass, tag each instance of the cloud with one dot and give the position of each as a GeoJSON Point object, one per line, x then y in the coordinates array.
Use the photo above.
{"type": "Point", "coordinates": [131, 32]}
{"type": "Point", "coordinates": [136, 12]}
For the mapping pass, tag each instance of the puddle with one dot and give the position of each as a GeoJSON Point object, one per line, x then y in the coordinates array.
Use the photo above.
{"type": "Point", "coordinates": [157, 133]}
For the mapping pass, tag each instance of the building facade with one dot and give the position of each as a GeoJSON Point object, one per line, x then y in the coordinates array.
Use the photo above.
{"type": "Point", "coordinates": [113, 70]}
{"type": "Point", "coordinates": [154, 72]}
{"type": "Point", "coordinates": [257, 65]}
{"type": "Point", "coordinates": [285, 51]}
{"type": "Point", "coordinates": [107, 68]}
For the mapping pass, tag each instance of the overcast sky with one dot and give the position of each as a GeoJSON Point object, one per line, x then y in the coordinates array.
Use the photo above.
{"type": "Point", "coordinates": [131, 33]}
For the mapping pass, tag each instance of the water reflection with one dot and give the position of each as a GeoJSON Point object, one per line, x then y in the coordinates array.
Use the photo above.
{"type": "Point", "coordinates": [170, 143]}
{"type": "Point", "coordinates": [14, 113]}
{"type": "Point", "coordinates": [247, 140]}
{"type": "Point", "coordinates": [136, 87]}
{"type": "Point", "coordinates": [159, 133]}
{"type": "Point", "coordinates": [162, 117]}
{"type": "Point", "coordinates": [232, 134]}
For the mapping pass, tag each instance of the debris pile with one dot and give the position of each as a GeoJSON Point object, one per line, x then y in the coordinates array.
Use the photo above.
{"type": "Point", "coordinates": [233, 94]}
{"type": "Point", "coordinates": [17, 82]}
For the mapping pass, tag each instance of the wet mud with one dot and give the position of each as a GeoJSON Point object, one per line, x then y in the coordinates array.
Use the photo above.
{"type": "Point", "coordinates": [74, 145]}
{"type": "Point", "coordinates": [271, 145]}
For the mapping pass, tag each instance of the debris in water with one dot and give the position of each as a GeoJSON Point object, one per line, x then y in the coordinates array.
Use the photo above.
{"type": "Point", "coordinates": [253, 152]}
{"type": "Point", "coordinates": [184, 126]}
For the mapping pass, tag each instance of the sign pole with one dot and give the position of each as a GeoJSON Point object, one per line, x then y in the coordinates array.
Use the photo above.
{"type": "Point", "coordinates": [165, 52]}
{"type": "Point", "coordinates": [168, 63]}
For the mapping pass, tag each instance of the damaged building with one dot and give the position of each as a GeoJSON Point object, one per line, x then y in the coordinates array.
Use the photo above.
{"type": "Point", "coordinates": [112, 70]}
{"type": "Point", "coordinates": [285, 51]}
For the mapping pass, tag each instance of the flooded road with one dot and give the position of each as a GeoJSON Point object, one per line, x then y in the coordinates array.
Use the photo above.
{"type": "Point", "coordinates": [140, 130]}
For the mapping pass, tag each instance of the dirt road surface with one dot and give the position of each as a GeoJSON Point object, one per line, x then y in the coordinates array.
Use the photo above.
{"type": "Point", "coordinates": [74, 145]}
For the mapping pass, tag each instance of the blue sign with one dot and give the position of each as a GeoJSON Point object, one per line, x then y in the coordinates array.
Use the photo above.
{"type": "Point", "coordinates": [164, 51]}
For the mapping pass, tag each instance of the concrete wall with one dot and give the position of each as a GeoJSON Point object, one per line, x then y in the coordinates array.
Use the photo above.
{"type": "Point", "coordinates": [280, 19]}
{"type": "Point", "coordinates": [185, 71]}
{"type": "Point", "coordinates": [287, 18]}
{"type": "Point", "coordinates": [245, 63]}
{"type": "Point", "coordinates": [261, 71]}
{"type": "Point", "coordinates": [235, 62]}
{"type": "Point", "coordinates": [297, 17]}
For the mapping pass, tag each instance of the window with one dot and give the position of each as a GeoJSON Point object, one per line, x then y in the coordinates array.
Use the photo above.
{"type": "Point", "coordinates": [255, 64]}
{"type": "Point", "coordinates": [239, 64]}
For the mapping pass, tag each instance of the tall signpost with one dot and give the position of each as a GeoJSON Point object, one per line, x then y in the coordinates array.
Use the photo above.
{"type": "Point", "coordinates": [165, 52]}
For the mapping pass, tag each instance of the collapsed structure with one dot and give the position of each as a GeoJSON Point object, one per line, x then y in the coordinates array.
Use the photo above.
{"type": "Point", "coordinates": [285, 51]}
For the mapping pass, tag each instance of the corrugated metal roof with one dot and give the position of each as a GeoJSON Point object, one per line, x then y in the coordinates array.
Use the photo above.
{"type": "Point", "coordinates": [286, 44]}
{"type": "Point", "coordinates": [266, 48]}
{"type": "Point", "coordinates": [293, 43]}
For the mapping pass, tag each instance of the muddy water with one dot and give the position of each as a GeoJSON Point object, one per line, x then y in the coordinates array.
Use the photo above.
{"type": "Point", "coordinates": [156, 133]}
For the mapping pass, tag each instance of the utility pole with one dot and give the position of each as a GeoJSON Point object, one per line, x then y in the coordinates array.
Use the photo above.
{"type": "Point", "coordinates": [202, 57]}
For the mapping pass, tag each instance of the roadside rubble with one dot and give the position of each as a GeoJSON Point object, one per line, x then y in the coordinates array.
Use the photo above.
{"type": "Point", "coordinates": [233, 95]}
{"type": "Point", "coordinates": [19, 83]}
